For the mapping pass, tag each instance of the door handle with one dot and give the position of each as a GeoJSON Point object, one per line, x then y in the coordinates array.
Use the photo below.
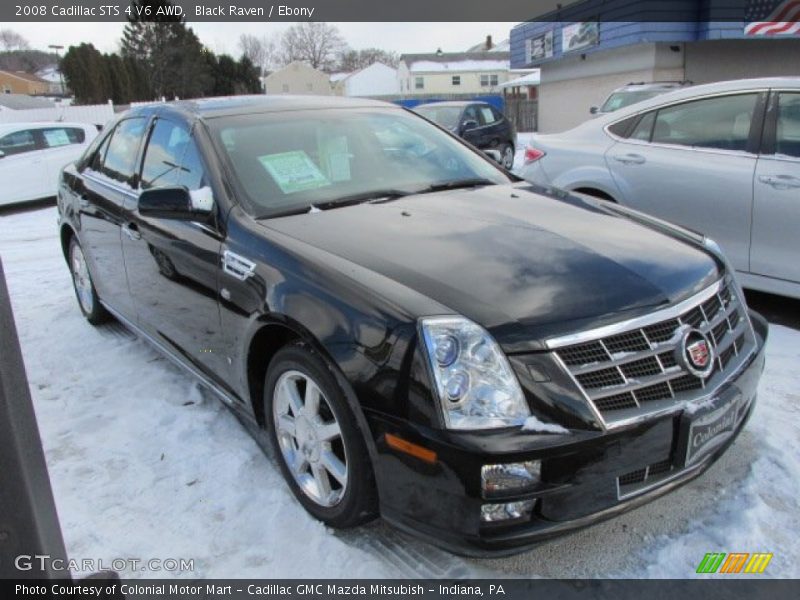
{"type": "Point", "coordinates": [629, 159]}
{"type": "Point", "coordinates": [132, 231]}
{"type": "Point", "coordinates": [83, 202]}
{"type": "Point", "coordinates": [780, 182]}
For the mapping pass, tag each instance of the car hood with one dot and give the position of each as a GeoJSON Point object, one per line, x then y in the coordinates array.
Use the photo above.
{"type": "Point", "coordinates": [524, 265]}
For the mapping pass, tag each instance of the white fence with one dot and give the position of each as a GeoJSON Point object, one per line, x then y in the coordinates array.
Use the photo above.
{"type": "Point", "coordinates": [96, 114]}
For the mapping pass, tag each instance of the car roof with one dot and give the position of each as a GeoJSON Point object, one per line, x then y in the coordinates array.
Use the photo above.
{"type": "Point", "coordinates": [688, 93]}
{"type": "Point", "coordinates": [653, 85]}
{"type": "Point", "coordinates": [41, 125]}
{"type": "Point", "coordinates": [209, 108]}
{"type": "Point", "coordinates": [455, 103]}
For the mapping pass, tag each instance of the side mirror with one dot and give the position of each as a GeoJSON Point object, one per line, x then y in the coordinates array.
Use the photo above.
{"type": "Point", "coordinates": [594, 110]}
{"type": "Point", "coordinates": [494, 155]}
{"type": "Point", "coordinates": [469, 125]}
{"type": "Point", "coordinates": [172, 203]}
{"type": "Point", "coordinates": [2, 154]}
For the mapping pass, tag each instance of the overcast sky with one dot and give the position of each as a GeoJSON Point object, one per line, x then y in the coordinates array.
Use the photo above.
{"type": "Point", "coordinates": [223, 37]}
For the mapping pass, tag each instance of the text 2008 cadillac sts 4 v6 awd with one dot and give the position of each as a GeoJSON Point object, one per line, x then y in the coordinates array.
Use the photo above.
{"type": "Point", "coordinates": [418, 333]}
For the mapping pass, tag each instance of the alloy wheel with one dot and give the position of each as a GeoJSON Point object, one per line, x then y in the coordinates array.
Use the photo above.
{"type": "Point", "coordinates": [82, 279]}
{"type": "Point", "coordinates": [310, 438]}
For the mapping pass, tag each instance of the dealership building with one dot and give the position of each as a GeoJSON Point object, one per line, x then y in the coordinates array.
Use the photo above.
{"type": "Point", "coordinates": [584, 55]}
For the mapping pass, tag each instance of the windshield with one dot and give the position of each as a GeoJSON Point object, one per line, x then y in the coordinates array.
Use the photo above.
{"type": "Point", "coordinates": [295, 160]}
{"type": "Point", "coordinates": [446, 116]}
{"type": "Point", "coordinates": [619, 100]}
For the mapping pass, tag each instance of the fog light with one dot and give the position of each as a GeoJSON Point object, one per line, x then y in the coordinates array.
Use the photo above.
{"type": "Point", "coordinates": [511, 476]}
{"type": "Point", "coordinates": [492, 513]}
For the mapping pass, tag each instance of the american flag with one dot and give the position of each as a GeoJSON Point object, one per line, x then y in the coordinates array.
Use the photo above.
{"type": "Point", "coordinates": [772, 17]}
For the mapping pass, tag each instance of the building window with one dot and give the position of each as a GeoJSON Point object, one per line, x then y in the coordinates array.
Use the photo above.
{"type": "Point", "coordinates": [489, 80]}
{"type": "Point", "coordinates": [484, 80]}
{"type": "Point", "coordinates": [419, 83]}
{"type": "Point", "coordinates": [6, 90]}
{"type": "Point", "coordinates": [456, 79]}
{"type": "Point", "coordinates": [493, 80]}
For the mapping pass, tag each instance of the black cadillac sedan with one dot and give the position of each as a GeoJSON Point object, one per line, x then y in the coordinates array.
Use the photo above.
{"type": "Point", "coordinates": [418, 334]}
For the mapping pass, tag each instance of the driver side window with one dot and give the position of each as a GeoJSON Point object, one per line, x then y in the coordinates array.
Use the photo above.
{"type": "Point", "coordinates": [172, 158]}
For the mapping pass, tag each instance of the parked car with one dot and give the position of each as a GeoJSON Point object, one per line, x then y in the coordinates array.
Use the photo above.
{"type": "Point", "coordinates": [32, 154]}
{"type": "Point", "coordinates": [635, 92]}
{"type": "Point", "coordinates": [418, 333]}
{"type": "Point", "coordinates": [481, 124]}
{"type": "Point", "coordinates": [722, 159]}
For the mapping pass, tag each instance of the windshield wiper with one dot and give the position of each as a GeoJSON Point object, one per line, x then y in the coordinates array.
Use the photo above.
{"type": "Point", "coordinates": [456, 184]}
{"type": "Point", "coordinates": [380, 195]}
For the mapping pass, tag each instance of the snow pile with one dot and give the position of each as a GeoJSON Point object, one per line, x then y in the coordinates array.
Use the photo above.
{"type": "Point", "coordinates": [534, 424]}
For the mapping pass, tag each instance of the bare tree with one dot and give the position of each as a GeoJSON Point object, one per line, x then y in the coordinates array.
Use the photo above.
{"type": "Point", "coordinates": [261, 51]}
{"type": "Point", "coordinates": [11, 40]}
{"type": "Point", "coordinates": [353, 60]}
{"type": "Point", "coordinates": [318, 44]}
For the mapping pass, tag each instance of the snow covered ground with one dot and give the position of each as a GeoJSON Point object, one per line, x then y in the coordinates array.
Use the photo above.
{"type": "Point", "coordinates": [146, 465]}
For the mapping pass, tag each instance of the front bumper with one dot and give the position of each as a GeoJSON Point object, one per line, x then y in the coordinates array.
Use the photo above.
{"type": "Point", "coordinates": [586, 476]}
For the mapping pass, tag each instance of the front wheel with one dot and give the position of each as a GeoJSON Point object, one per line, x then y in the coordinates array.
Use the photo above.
{"type": "Point", "coordinates": [321, 452]}
{"type": "Point", "coordinates": [85, 292]}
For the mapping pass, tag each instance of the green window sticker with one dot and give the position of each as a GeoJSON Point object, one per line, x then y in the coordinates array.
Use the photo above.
{"type": "Point", "coordinates": [293, 171]}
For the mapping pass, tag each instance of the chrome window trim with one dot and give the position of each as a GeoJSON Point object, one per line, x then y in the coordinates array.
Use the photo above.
{"type": "Point", "coordinates": [110, 184]}
{"type": "Point", "coordinates": [616, 138]}
{"type": "Point", "coordinates": [665, 314]}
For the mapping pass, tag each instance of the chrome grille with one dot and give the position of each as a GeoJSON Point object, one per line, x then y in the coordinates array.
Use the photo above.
{"type": "Point", "coordinates": [632, 372]}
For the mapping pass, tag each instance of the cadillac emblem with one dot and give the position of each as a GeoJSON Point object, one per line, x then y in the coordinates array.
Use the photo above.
{"type": "Point", "coordinates": [697, 353]}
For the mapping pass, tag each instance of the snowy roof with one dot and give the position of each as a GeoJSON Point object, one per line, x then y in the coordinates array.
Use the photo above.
{"type": "Point", "coordinates": [456, 61]}
{"type": "Point", "coordinates": [428, 66]}
{"type": "Point", "coordinates": [50, 74]}
{"type": "Point", "coordinates": [529, 79]}
{"type": "Point", "coordinates": [339, 76]}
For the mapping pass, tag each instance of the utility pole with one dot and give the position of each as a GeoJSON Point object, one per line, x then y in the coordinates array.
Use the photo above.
{"type": "Point", "coordinates": [58, 66]}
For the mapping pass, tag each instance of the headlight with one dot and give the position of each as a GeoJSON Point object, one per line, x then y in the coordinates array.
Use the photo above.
{"type": "Point", "coordinates": [477, 388]}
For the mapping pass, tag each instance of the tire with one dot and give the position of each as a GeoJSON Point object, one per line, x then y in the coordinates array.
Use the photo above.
{"type": "Point", "coordinates": [507, 152]}
{"type": "Point", "coordinates": [306, 456]}
{"type": "Point", "coordinates": [82, 283]}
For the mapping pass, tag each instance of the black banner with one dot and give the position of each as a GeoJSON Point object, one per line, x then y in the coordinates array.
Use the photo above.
{"type": "Point", "coordinates": [376, 10]}
{"type": "Point", "coordinates": [723, 588]}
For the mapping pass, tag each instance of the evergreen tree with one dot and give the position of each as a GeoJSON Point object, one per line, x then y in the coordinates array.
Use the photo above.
{"type": "Point", "coordinates": [85, 73]}
{"type": "Point", "coordinates": [168, 53]}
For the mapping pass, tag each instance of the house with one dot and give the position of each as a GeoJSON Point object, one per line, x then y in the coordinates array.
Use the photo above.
{"type": "Point", "coordinates": [336, 82]}
{"type": "Point", "coordinates": [452, 73]}
{"type": "Point", "coordinates": [54, 78]}
{"type": "Point", "coordinates": [297, 78]}
{"type": "Point", "coordinates": [584, 55]}
{"type": "Point", "coordinates": [18, 82]}
{"type": "Point", "coordinates": [375, 80]}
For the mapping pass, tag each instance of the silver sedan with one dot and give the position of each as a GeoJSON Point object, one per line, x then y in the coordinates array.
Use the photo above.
{"type": "Point", "coordinates": [722, 159]}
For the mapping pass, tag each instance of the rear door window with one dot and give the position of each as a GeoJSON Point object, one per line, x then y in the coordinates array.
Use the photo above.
{"type": "Point", "coordinates": [787, 127]}
{"type": "Point", "coordinates": [120, 158]}
{"type": "Point", "coordinates": [721, 123]}
{"type": "Point", "coordinates": [644, 128]}
{"type": "Point", "coordinates": [63, 136]}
